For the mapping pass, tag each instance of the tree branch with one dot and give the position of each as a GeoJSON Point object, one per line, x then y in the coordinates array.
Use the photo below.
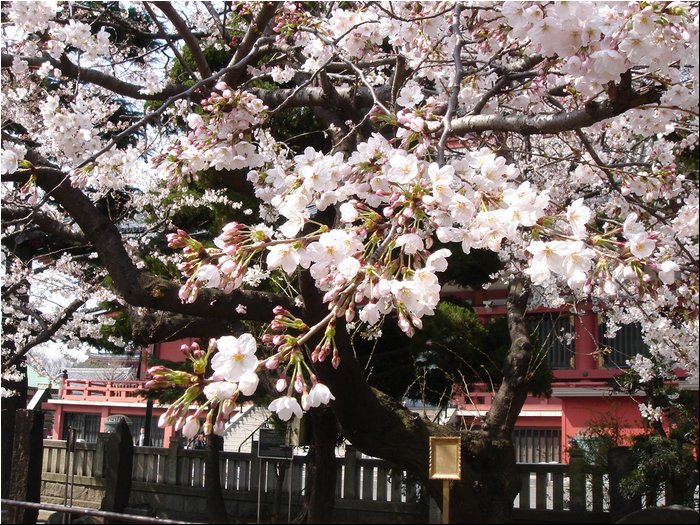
{"type": "Point", "coordinates": [255, 30]}
{"type": "Point", "coordinates": [156, 327]}
{"type": "Point", "coordinates": [71, 70]}
{"type": "Point", "coordinates": [46, 334]}
{"type": "Point", "coordinates": [137, 287]}
{"type": "Point", "coordinates": [45, 222]}
{"type": "Point", "coordinates": [191, 41]}
{"type": "Point", "coordinates": [511, 395]}
{"type": "Point", "coordinates": [550, 124]}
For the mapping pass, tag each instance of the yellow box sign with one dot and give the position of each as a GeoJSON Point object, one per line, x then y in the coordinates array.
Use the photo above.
{"type": "Point", "coordinates": [445, 458]}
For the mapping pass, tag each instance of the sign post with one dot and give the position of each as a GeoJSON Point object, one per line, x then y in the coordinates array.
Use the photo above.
{"type": "Point", "coordinates": [445, 464]}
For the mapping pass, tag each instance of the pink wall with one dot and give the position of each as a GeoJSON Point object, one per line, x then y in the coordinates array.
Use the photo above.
{"type": "Point", "coordinates": [578, 413]}
{"type": "Point", "coordinates": [169, 350]}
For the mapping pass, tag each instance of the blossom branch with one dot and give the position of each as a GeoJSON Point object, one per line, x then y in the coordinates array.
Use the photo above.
{"type": "Point", "coordinates": [215, 17]}
{"type": "Point", "coordinates": [456, 81]}
{"type": "Point", "coordinates": [169, 42]}
{"type": "Point", "coordinates": [75, 72]}
{"type": "Point", "coordinates": [151, 116]}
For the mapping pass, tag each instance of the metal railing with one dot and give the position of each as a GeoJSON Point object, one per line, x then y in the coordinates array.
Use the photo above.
{"type": "Point", "coordinates": [84, 511]}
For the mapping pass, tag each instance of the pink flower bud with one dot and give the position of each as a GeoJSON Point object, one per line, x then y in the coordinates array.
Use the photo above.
{"type": "Point", "coordinates": [279, 310]}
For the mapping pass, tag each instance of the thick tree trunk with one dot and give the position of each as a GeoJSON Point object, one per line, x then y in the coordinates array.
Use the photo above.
{"type": "Point", "coordinates": [381, 427]}
{"type": "Point", "coordinates": [489, 481]}
{"type": "Point", "coordinates": [216, 507]}
{"type": "Point", "coordinates": [321, 473]}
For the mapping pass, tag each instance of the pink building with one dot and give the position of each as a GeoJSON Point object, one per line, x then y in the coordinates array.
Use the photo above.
{"type": "Point", "coordinates": [86, 404]}
{"type": "Point", "coordinates": [582, 361]}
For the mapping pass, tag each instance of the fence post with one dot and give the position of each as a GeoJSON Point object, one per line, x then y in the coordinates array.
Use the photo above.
{"type": "Point", "coordinates": [577, 480]}
{"type": "Point", "coordinates": [352, 479]}
{"type": "Point", "coordinates": [620, 464]}
{"type": "Point", "coordinates": [254, 466]}
{"type": "Point", "coordinates": [171, 460]}
{"type": "Point", "coordinates": [98, 469]}
{"type": "Point", "coordinates": [27, 454]}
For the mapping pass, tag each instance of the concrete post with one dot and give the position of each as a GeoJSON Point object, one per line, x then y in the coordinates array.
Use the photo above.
{"type": "Point", "coordinates": [352, 480]}
{"type": "Point", "coordinates": [577, 480]}
{"type": "Point", "coordinates": [620, 464]}
{"type": "Point", "coordinates": [119, 452]}
{"type": "Point", "coordinates": [27, 455]}
{"type": "Point", "coordinates": [100, 454]}
{"type": "Point", "coordinates": [171, 462]}
{"type": "Point", "coordinates": [255, 465]}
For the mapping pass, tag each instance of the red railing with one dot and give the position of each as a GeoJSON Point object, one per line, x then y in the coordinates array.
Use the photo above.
{"type": "Point", "coordinates": [97, 390]}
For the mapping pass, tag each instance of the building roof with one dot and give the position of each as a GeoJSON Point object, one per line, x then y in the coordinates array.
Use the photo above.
{"type": "Point", "coordinates": [36, 378]}
{"type": "Point", "coordinates": [120, 373]}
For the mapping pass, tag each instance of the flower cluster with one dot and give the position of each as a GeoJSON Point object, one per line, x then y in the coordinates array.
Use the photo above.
{"type": "Point", "coordinates": [208, 402]}
{"type": "Point", "coordinates": [220, 136]}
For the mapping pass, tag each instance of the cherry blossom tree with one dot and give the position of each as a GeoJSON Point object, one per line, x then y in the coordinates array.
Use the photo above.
{"type": "Point", "coordinates": [560, 136]}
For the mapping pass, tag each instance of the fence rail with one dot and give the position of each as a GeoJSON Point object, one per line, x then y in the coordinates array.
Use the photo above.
{"type": "Point", "coordinates": [358, 478]}
{"type": "Point", "coordinates": [544, 487]}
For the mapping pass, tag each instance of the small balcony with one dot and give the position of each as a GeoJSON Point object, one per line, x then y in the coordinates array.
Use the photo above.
{"type": "Point", "coordinates": [122, 391]}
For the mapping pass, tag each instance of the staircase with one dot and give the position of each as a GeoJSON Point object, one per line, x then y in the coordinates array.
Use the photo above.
{"type": "Point", "coordinates": [239, 430]}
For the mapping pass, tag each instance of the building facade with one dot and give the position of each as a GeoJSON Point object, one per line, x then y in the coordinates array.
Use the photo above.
{"type": "Point", "coordinates": [583, 363]}
{"type": "Point", "coordinates": [89, 399]}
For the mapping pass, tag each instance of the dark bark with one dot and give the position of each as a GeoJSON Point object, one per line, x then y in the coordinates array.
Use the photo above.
{"type": "Point", "coordinates": [216, 507]}
{"type": "Point", "coordinates": [511, 395]}
{"type": "Point", "coordinates": [321, 473]}
{"type": "Point", "coordinates": [159, 326]}
{"type": "Point", "coordinates": [27, 453]}
{"type": "Point", "coordinates": [381, 427]}
{"type": "Point", "coordinates": [138, 287]}
{"type": "Point", "coordinates": [489, 481]}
